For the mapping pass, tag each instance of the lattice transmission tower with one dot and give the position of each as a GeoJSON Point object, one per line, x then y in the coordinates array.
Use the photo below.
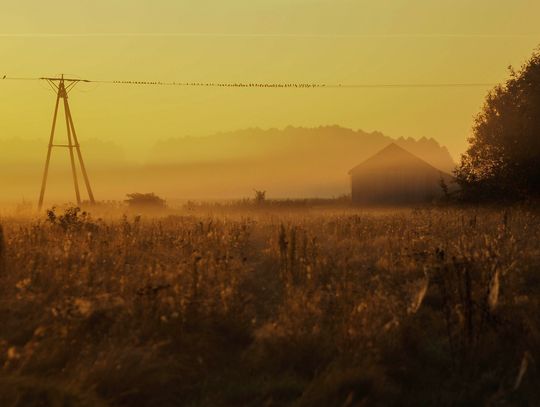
{"type": "Point", "coordinates": [62, 86]}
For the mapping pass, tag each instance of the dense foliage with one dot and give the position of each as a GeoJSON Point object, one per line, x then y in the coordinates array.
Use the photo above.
{"type": "Point", "coordinates": [320, 308]}
{"type": "Point", "coordinates": [503, 160]}
{"type": "Point", "coordinates": [150, 200]}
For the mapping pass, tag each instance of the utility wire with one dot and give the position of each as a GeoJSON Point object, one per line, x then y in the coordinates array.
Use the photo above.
{"type": "Point", "coordinates": [270, 85]}
{"type": "Point", "coordinates": [12, 78]}
{"type": "Point", "coordinates": [296, 84]}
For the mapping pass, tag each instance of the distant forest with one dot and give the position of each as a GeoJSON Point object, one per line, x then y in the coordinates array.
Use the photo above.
{"type": "Point", "coordinates": [292, 162]}
{"type": "Point", "coordinates": [332, 144]}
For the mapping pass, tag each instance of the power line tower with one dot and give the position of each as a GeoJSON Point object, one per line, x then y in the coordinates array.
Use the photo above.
{"type": "Point", "coordinates": [62, 86]}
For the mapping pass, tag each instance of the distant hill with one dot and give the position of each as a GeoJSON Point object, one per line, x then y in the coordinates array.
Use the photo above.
{"type": "Point", "coordinates": [292, 162]}
{"type": "Point", "coordinates": [288, 163]}
{"type": "Point", "coordinates": [334, 147]}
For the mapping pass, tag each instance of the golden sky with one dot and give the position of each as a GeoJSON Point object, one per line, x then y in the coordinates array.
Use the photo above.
{"type": "Point", "coordinates": [330, 41]}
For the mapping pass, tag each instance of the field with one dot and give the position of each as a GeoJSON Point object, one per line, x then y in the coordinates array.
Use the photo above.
{"type": "Point", "coordinates": [324, 307]}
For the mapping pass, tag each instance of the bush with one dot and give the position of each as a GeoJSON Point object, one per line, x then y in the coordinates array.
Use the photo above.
{"type": "Point", "coordinates": [145, 201]}
{"type": "Point", "coordinates": [71, 219]}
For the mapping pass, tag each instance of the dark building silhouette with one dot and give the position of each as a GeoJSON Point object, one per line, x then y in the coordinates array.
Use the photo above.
{"type": "Point", "coordinates": [395, 176]}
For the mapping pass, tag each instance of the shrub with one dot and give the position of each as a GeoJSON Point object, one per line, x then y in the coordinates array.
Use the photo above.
{"type": "Point", "coordinates": [145, 201]}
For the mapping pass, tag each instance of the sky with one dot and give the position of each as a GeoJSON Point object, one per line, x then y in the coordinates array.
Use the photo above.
{"type": "Point", "coordinates": [326, 41]}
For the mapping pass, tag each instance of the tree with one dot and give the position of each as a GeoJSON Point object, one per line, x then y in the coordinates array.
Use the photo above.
{"type": "Point", "coordinates": [145, 201]}
{"type": "Point", "coordinates": [260, 197]}
{"type": "Point", "coordinates": [503, 158]}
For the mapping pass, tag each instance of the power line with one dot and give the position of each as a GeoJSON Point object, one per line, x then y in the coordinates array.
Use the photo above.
{"type": "Point", "coordinates": [270, 85]}
{"type": "Point", "coordinates": [12, 78]}
{"type": "Point", "coordinates": [296, 84]}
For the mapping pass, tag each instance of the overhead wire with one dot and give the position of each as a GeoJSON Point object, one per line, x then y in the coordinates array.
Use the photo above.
{"type": "Point", "coordinates": [297, 85]}
{"type": "Point", "coordinates": [268, 85]}
{"type": "Point", "coordinates": [14, 78]}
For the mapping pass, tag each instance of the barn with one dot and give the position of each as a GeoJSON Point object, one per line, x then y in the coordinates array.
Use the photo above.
{"type": "Point", "coordinates": [395, 176]}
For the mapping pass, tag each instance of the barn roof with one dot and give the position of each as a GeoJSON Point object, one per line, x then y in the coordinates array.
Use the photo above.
{"type": "Point", "coordinates": [395, 157]}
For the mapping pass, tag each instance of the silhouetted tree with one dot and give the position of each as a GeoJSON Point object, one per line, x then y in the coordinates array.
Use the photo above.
{"type": "Point", "coordinates": [148, 201]}
{"type": "Point", "coordinates": [503, 159]}
{"type": "Point", "coordinates": [260, 197]}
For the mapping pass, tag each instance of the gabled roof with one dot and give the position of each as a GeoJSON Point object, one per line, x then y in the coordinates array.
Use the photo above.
{"type": "Point", "coordinates": [395, 157]}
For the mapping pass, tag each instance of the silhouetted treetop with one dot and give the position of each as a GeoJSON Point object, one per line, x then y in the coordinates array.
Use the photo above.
{"type": "Point", "coordinates": [503, 159]}
{"type": "Point", "coordinates": [145, 200]}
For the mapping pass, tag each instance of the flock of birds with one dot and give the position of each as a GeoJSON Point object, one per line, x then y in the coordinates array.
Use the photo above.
{"type": "Point", "coordinates": [222, 85]}
{"type": "Point", "coordinates": [282, 85]}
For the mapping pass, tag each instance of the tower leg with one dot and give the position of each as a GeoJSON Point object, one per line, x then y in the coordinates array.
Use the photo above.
{"type": "Point", "coordinates": [80, 157]}
{"type": "Point", "coordinates": [49, 150]}
{"type": "Point", "coordinates": [70, 146]}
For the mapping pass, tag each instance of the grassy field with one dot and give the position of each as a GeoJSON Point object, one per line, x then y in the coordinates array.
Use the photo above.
{"type": "Point", "coordinates": [343, 307]}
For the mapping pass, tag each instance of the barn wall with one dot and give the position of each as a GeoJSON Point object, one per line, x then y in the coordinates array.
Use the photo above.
{"type": "Point", "coordinates": [394, 187]}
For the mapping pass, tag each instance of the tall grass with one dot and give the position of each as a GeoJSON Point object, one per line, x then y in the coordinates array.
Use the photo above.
{"type": "Point", "coordinates": [290, 308]}
{"type": "Point", "coordinates": [2, 252]}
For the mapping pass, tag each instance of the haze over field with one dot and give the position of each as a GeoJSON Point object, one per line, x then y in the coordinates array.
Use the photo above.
{"type": "Point", "coordinates": [291, 162]}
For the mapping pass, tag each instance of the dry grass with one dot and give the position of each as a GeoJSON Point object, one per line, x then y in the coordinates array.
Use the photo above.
{"type": "Point", "coordinates": [327, 308]}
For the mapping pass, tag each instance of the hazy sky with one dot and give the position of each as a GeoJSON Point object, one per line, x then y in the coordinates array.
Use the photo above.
{"type": "Point", "coordinates": [332, 41]}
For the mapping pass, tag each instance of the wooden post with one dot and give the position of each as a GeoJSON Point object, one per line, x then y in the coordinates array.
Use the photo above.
{"type": "Point", "coordinates": [70, 144]}
{"type": "Point", "coordinates": [49, 150]}
{"type": "Point", "coordinates": [79, 155]}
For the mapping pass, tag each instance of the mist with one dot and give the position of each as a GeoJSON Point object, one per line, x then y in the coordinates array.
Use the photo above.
{"type": "Point", "coordinates": [293, 162]}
